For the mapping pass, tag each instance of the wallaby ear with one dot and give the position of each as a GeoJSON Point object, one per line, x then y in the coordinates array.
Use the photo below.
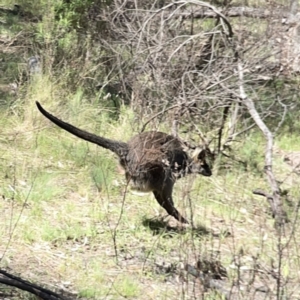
{"type": "Point", "coordinates": [202, 154]}
{"type": "Point", "coordinates": [199, 154]}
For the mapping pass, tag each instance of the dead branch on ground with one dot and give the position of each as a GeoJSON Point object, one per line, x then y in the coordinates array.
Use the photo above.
{"type": "Point", "coordinates": [43, 293]}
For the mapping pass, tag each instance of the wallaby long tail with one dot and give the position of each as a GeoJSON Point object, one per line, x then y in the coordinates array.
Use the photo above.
{"type": "Point", "coordinates": [120, 148]}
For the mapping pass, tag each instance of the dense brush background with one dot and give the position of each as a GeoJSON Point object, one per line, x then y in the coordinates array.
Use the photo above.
{"type": "Point", "coordinates": [69, 223]}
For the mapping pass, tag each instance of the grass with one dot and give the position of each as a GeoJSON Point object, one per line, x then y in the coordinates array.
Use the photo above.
{"type": "Point", "coordinates": [66, 222]}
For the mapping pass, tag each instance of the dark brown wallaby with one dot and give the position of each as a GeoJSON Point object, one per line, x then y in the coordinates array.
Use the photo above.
{"type": "Point", "coordinates": [152, 161]}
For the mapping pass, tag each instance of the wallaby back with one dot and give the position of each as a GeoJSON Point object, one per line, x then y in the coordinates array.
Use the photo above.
{"type": "Point", "coordinates": [156, 148]}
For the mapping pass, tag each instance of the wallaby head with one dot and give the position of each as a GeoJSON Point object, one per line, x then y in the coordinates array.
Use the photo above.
{"type": "Point", "coordinates": [199, 164]}
{"type": "Point", "coordinates": [152, 161]}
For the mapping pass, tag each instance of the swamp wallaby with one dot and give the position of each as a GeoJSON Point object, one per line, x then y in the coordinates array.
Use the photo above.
{"type": "Point", "coordinates": [152, 161]}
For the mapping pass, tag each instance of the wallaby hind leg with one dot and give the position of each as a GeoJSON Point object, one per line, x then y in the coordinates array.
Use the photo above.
{"type": "Point", "coordinates": [167, 203]}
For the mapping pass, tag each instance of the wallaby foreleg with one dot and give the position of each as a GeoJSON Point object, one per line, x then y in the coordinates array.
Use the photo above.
{"type": "Point", "coordinates": [167, 204]}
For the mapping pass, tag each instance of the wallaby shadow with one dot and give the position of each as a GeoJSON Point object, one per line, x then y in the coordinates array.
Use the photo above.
{"type": "Point", "coordinates": [159, 226]}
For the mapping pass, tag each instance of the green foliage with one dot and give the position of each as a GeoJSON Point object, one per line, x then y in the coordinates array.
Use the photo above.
{"type": "Point", "coordinates": [288, 141]}
{"type": "Point", "coordinates": [102, 172]}
{"type": "Point", "coordinates": [72, 14]}
{"type": "Point", "coordinates": [251, 151]}
{"type": "Point", "coordinates": [127, 287]}
{"type": "Point", "coordinates": [36, 7]}
{"type": "Point", "coordinates": [59, 34]}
